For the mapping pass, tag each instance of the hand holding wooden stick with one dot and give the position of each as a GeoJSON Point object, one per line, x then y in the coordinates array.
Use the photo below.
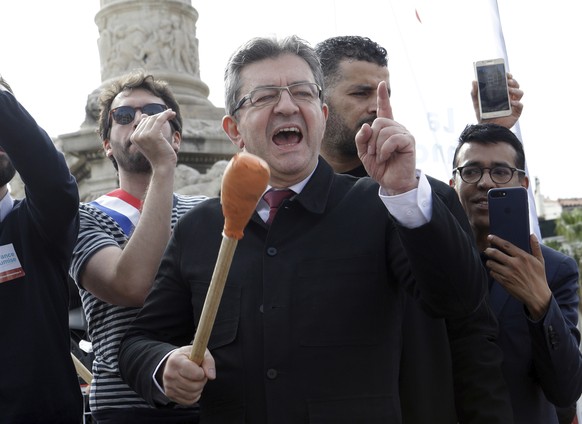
{"type": "Point", "coordinates": [245, 180]}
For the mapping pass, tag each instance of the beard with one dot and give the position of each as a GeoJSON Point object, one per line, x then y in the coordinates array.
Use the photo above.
{"type": "Point", "coordinates": [7, 170]}
{"type": "Point", "coordinates": [136, 162]}
{"type": "Point", "coordinates": [133, 161]}
{"type": "Point", "coordinates": [339, 137]}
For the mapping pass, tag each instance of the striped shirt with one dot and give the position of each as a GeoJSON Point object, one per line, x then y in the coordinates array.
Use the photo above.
{"type": "Point", "coordinates": [107, 323]}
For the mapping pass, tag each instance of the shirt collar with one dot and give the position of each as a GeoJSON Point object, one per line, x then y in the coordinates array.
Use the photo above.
{"type": "Point", "coordinates": [6, 205]}
{"type": "Point", "coordinates": [297, 188]}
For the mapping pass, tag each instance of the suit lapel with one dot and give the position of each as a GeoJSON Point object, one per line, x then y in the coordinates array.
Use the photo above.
{"type": "Point", "coordinates": [498, 297]}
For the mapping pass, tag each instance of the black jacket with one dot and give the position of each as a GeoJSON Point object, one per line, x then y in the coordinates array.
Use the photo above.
{"type": "Point", "coordinates": [310, 321]}
{"type": "Point", "coordinates": [38, 382]}
{"type": "Point", "coordinates": [451, 369]}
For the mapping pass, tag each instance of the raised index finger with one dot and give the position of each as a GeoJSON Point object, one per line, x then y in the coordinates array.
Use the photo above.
{"type": "Point", "coordinates": [383, 108]}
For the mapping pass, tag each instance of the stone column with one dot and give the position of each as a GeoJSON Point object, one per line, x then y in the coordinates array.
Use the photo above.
{"type": "Point", "coordinates": [160, 37]}
{"type": "Point", "coordinates": [157, 35]}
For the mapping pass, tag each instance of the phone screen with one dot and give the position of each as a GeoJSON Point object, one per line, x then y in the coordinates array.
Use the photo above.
{"type": "Point", "coordinates": [493, 92]}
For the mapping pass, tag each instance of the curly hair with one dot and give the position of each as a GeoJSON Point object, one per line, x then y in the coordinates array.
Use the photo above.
{"type": "Point", "coordinates": [135, 79]}
{"type": "Point", "coordinates": [334, 50]}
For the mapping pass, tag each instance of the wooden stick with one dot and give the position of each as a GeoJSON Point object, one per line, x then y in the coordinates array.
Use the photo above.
{"type": "Point", "coordinates": [83, 372]}
{"type": "Point", "coordinates": [243, 183]}
{"type": "Point", "coordinates": [212, 301]}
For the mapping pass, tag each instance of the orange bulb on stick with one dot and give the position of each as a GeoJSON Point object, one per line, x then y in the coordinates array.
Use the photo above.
{"type": "Point", "coordinates": [244, 181]}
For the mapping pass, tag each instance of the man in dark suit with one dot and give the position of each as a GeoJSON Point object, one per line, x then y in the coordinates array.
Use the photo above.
{"type": "Point", "coordinates": [534, 296]}
{"type": "Point", "coordinates": [309, 325]}
{"type": "Point", "coordinates": [450, 369]}
{"type": "Point", "coordinates": [38, 382]}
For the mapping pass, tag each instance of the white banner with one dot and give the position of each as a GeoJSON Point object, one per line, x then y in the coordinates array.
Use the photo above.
{"type": "Point", "coordinates": [431, 49]}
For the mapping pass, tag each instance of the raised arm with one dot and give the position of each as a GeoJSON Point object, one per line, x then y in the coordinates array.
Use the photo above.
{"type": "Point", "coordinates": [123, 276]}
{"type": "Point", "coordinates": [51, 190]}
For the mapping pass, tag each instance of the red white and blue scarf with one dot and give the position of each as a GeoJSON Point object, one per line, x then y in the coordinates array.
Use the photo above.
{"type": "Point", "coordinates": [122, 207]}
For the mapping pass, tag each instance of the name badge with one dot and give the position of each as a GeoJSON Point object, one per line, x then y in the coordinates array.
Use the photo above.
{"type": "Point", "coordinates": [10, 267]}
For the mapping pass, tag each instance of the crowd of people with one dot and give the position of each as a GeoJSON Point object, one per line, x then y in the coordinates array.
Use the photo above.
{"type": "Point", "coordinates": [376, 294]}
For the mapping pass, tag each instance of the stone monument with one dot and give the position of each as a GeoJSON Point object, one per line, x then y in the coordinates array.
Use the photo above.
{"type": "Point", "coordinates": [160, 37]}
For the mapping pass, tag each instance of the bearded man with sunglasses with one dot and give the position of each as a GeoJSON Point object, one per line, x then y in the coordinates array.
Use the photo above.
{"type": "Point", "coordinates": [534, 296]}
{"type": "Point", "coordinates": [124, 233]}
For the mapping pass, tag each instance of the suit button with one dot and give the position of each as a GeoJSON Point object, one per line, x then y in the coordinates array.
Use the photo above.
{"type": "Point", "coordinates": [272, 374]}
{"type": "Point", "coordinates": [271, 251]}
{"type": "Point", "coordinates": [554, 338]}
{"type": "Point", "coordinates": [261, 309]}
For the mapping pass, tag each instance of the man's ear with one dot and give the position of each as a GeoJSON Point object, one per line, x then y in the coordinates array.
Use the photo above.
{"type": "Point", "coordinates": [525, 181]}
{"type": "Point", "coordinates": [176, 141]}
{"type": "Point", "coordinates": [107, 148]}
{"type": "Point", "coordinates": [325, 110]}
{"type": "Point", "coordinates": [452, 183]}
{"type": "Point", "coordinates": [230, 127]}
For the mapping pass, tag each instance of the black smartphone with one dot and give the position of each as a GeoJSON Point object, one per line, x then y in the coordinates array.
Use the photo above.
{"type": "Point", "coordinates": [493, 92]}
{"type": "Point", "coordinates": [509, 215]}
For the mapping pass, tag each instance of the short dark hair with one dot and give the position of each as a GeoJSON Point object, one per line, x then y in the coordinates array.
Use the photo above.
{"type": "Point", "coordinates": [5, 84]}
{"type": "Point", "coordinates": [130, 81]}
{"type": "Point", "coordinates": [336, 49]}
{"type": "Point", "coordinates": [491, 134]}
{"type": "Point", "coordinates": [261, 48]}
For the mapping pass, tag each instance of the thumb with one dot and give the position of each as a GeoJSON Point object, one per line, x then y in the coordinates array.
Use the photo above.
{"type": "Point", "coordinates": [536, 249]}
{"type": "Point", "coordinates": [363, 138]}
{"type": "Point", "coordinates": [208, 365]}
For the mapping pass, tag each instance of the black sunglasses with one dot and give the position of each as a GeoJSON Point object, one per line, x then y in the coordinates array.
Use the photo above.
{"type": "Point", "coordinates": [124, 115]}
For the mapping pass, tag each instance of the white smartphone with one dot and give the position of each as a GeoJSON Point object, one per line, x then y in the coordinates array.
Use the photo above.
{"type": "Point", "coordinates": [493, 92]}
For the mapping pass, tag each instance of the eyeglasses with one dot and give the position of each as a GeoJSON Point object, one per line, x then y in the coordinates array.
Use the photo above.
{"type": "Point", "coordinates": [499, 174]}
{"type": "Point", "coordinates": [124, 115]}
{"type": "Point", "coordinates": [300, 92]}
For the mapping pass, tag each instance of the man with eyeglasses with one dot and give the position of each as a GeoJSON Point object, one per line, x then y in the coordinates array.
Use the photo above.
{"type": "Point", "coordinates": [534, 296]}
{"type": "Point", "coordinates": [309, 325]}
{"type": "Point", "coordinates": [123, 235]}
{"type": "Point", "coordinates": [301, 91]}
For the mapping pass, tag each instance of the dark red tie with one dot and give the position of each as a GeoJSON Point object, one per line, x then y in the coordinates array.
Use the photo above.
{"type": "Point", "coordinates": [274, 198]}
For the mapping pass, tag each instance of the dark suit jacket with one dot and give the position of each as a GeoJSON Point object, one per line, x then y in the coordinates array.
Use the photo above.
{"type": "Point", "coordinates": [451, 370]}
{"type": "Point", "coordinates": [38, 382]}
{"type": "Point", "coordinates": [542, 364]}
{"type": "Point", "coordinates": [310, 321]}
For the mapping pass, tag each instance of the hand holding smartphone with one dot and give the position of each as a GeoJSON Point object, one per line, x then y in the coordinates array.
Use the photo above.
{"type": "Point", "coordinates": [509, 215]}
{"type": "Point", "coordinates": [492, 89]}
